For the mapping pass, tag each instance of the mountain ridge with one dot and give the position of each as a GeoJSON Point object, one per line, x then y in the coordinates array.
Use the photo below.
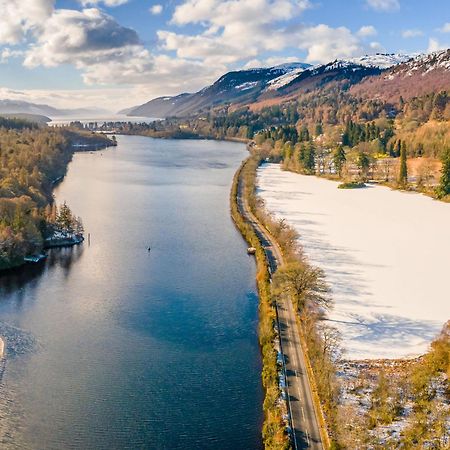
{"type": "Point", "coordinates": [261, 85]}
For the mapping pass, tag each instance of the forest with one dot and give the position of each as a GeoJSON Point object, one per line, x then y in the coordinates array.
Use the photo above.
{"type": "Point", "coordinates": [32, 159]}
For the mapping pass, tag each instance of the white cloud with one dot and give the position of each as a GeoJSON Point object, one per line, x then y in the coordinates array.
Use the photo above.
{"type": "Point", "coordinates": [411, 33]}
{"type": "Point", "coordinates": [445, 28]}
{"type": "Point", "coordinates": [239, 30]}
{"type": "Point", "coordinates": [225, 12]}
{"type": "Point", "coordinates": [367, 30]}
{"type": "Point", "coordinates": [434, 45]}
{"type": "Point", "coordinates": [377, 47]}
{"type": "Point", "coordinates": [93, 42]}
{"type": "Point", "coordinates": [324, 43]}
{"type": "Point", "coordinates": [6, 54]}
{"type": "Point", "coordinates": [19, 17]}
{"type": "Point", "coordinates": [270, 62]}
{"type": "Point", "coordinates": [156, 9]}
{"type": "Point", "coordinates": [383, 5]}
{"type": "Point", "coordinates": [110, 3]}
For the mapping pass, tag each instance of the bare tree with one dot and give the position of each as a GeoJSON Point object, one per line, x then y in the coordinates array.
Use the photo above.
{"type": "Point", "coordinates": [305, 284]}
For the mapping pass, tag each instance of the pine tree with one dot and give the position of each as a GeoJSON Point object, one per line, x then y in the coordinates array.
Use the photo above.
{"type": "Point", "coordinates": [363, 164]}
{"type": "Point", "coordinates": [339, 159]}
{"type": "Point", "coordinates": [310, 158]}
{"type": "Point", "coordinates": [403, 174]}
{"type": "Point", "coordinates": [398, 148]}
{"type": "Point", "coordinates": [444, 185]}
{"type": "Point", "coordinates": [64, 220]}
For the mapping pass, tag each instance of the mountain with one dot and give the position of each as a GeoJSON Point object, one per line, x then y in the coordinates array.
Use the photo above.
{"type": "Point", "coordinates": [418, 76]}
{"type": "Point", "coordinates": [22, 107]}
{"type": "Point", "coordinates": [267, 86]}
{"type": "Point", "coordinates": [345, 72]}
{"type": "Point", "coordinates": [381, 60]}
{"type": "Point", "coordinates": [234, 87]}
{"type": "Point", "coordinates": [37, 118]}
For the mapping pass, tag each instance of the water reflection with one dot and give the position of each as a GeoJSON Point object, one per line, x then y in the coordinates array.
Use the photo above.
{"type": "Point", "coordinates": [30, 275]}
{"type": "Point", "coordinates": [112, 346]}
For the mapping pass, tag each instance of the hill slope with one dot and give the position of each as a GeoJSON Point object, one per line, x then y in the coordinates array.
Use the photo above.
{"type": "Point", "coordinates": [21, 107]}
{"type": "Point", "coordinates": [233, 87]}
{"type": "Point", "coordinates": [259, 87]}
{"type": "Point", "coordinates": [419, 76]}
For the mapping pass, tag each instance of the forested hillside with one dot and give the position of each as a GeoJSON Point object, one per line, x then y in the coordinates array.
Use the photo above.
{"type": "Point", "coordinates": [32, 158]}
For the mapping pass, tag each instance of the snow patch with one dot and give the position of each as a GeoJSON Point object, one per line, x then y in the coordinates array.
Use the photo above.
{"type": "Point", "coordinates": [283, 80]}
{"type": "Point", "coordinates": [380, 60]}
{"type": "Point", "coordinates": [246, 86]}
{"type": "Point", "coordinates": [385, 255]}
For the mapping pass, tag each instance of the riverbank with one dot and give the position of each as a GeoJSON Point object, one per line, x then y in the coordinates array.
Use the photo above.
{"type": "Point", "coordinates": [274, 430]}
{"type": "Point", "coordinates": [27, 208]}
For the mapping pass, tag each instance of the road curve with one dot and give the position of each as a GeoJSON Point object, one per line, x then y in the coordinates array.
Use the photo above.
{"type": "Point", "coordinates": [306, 432]}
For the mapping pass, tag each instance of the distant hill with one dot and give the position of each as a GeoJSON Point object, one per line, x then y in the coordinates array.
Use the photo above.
{"type": "Point", "coordinates": [267, 86]}
{"type": "Point", "coordinates": [29, 117]}
{"type": "Point", "coordinates": [21, 107]}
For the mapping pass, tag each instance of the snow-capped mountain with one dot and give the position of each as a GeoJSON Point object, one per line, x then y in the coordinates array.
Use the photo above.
{"type": "Point", "coordinates": [420, 75]}
{"type": "Point", "coordinates": [292, 72]}
{"type": "Point", "coordinates": [381, 60]}
{"type": "Point", "coordinates": [439, 60]}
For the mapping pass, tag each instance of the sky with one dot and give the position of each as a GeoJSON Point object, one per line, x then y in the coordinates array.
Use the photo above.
{"type": "Point", "coordinates": [115, 54]}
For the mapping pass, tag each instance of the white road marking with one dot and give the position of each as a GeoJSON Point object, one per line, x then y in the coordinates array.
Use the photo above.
{"type": "Point", "coordinates": [307, 436]}
{"type": "Point", "coordinates": [303, 414]}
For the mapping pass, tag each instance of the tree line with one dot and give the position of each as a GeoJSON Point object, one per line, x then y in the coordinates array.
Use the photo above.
{"type": "Point", "coordinates": [32, 159]}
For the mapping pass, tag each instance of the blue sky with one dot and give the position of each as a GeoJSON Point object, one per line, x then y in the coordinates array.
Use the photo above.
{"type": "Point", "coordinates": [115, 53]}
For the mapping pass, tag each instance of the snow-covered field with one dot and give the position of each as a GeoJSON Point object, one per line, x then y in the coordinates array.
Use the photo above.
{"type": "Point", "coordinates": [386, 255]}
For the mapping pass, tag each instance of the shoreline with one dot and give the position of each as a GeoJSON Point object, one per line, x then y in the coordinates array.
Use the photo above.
{"type": "Point", "coordinates": [296, 371]}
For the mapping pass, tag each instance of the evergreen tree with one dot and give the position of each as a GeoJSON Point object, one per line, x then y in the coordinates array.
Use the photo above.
{"type": "Point", "coordinates": [78, 226]}
{"type": "Point", "coordinates": [319, 129]}
{"type": "Point", "coordinates": [65, 220]}
{"type": "Point", "coordinates": [444, 185]}
{"type": "Point", "coordinates": [363, 164]}
{"type": "Point", "coordinates": [403, 174]}
{"type": "Point", "coordinates": [310, 158]}
{"type": "Point", "coordinates": [339, 159]}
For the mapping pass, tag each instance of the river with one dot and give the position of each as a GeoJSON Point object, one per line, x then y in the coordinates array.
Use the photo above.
{"type": "Point", "coordinates": [112, 346]}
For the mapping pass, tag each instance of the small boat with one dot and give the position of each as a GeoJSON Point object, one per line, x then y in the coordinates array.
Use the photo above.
{"type": "Point", "coordinates": [251, 250]}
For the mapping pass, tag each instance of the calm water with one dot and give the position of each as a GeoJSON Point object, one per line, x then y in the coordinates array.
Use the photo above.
{"type": "Point", "coordinates": [111, 346]}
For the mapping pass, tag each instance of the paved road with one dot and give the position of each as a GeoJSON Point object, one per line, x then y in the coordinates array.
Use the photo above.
{"type": "Point", "coordinates": [306, 433]}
